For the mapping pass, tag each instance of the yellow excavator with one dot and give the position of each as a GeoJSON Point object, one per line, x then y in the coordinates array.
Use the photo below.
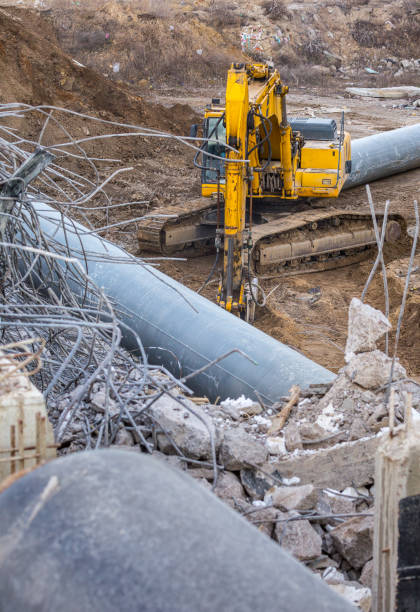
{"type": "Point", "coordinates": [258, 170]}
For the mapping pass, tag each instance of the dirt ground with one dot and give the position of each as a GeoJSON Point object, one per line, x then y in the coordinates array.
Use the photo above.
{"type": "Point", "coordinates": [37, 70]}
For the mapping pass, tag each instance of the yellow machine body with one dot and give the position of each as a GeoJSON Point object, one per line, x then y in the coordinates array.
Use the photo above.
{"type": "Point", "coordinates": [266, 160]}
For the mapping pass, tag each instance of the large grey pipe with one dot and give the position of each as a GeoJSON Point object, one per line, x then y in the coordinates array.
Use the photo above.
{"type": "Point", "coordinates": [189, 330]}
{"type": "Point", "coordinates": [109, 531]}
{"type": "Point", "coordinates": [375, 157]}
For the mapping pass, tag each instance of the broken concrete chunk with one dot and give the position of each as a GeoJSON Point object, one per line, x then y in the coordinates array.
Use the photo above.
{"type": "Point", "coordinates": [260, 423]}
{"type": "Point", "coordinates": [332, 576]}
{"type": "Point", "coordinates": [124, 438]}
{"type": "Point", "coordinates": [241, 406]}
{"type": "Point", "coordinates": [321, 563]}
{"type": "Point", "coordinates": [264, 519]}
{"type": "Point", "coordinates": [310, 432]}
{"type": "Point", "coordinates": [99, 401]}
{"type": "Point", "coordinates": [328, 546]}
{"type": "Point", "coordinates": [173, 460]}
{"type": "Point", "coordinates": [292, 498]}
{"type": "Point", "coordinates": [276, 445]}
{"type": "Point", "coordinates": [292, 437]}
{"type": "Point", "coordinates": [204, 483]}
{"type": "Point", "coordinates": [397, 92]}
{"type": "Point", "coordinates": [299, 538]}
{"type": "Point", "coordinates": [199, 472]}
{"type": "Point", "coordinates": [239, 450]}
{"type": "Point", "coordinates": [331, 502]}
{"type": "Point", "coordinates": [229, 488]}
{"type": "Point", "coordinates": [372, 370]}
{"type": "Point", "coordinates": [354, 540]}
{"type": "Point", "coordinates": [365, 326]}
{"type": "Point", "coordinates": [189, 432]}
{"type": "Point", "coordinates": [335, 467]}
{"type": "Point", "coordinates": [355, 593]}
{"type": "Point", "coordinates": [367, 574]}
{"type": "Point", "coordinates": [255, 483]}
{"type": "Point", "coordinates": [357, 429]}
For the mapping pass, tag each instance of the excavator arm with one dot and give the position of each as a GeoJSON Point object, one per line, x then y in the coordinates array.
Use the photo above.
{"type": "Point", "coordinates": [245, 122]}
{"type": "Point", "coordinates": [237, 105]}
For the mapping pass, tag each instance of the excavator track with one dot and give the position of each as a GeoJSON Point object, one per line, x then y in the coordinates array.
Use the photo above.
{"type": "Point", "coordinates": [179, 229]}
{"type": "Point", "coordinates": [314, 241]}
{"type": "Point", "coordinates": [295, 243]}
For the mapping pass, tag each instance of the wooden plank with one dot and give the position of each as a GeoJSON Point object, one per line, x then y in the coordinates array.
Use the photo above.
{"type": "Point", "coordinates": [397, 478]}
{"type": "Point", "coordinates": [278, 422]}
{"type": "Point", "coordinates": [24, 424]}
{"type": "Point", "coordinates": [13, 449]}
{"type": "Point", "coordinates": [21, 444]}
{"type": "Point", "coordinates": [38, 437]}
{"type": "Point", "coordinates": [42, 438]}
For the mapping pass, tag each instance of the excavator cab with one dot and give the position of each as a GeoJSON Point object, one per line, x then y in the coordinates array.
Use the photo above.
{"type": "Point", "coordinates": [213, 168]}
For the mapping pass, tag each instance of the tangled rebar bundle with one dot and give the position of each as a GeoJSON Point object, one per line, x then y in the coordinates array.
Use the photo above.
{"type": "Point", "coordinates": [48, 303]}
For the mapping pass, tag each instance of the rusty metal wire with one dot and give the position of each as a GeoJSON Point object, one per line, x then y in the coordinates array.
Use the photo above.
{"type": "Point", "coordinates": [93, 388]}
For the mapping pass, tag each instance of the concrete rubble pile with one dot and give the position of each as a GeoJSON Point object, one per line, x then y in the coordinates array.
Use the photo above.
{"type": "Point", "coordinates": [308, 485]}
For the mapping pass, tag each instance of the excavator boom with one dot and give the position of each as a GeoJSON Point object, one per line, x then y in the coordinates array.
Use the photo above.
{"type": "Point", "coordinates": [267, 154]}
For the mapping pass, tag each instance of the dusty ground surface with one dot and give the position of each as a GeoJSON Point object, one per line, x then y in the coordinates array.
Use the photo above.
{"type": "Point", "coordinates": [37, 68]}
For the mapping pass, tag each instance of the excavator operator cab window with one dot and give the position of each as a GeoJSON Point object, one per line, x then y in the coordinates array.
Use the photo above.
{"type": "Point", "coordinates": [215, 131]}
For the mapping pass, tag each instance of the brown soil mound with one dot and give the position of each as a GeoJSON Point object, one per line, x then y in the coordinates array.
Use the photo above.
{"type": "Point", "coordinates": [282, 327]}
{"type": "Point", "coordinates": [35, 71]}
{"type": "Point", "coordinates": [410, 336]}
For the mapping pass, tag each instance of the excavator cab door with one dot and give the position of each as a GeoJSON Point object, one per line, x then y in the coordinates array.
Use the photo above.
{"type": "Point", "coordinates": [214, 169]}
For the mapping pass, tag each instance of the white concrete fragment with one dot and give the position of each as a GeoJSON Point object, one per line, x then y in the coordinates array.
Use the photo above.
{"type": "Point", "coordinates": [372, 370]}
{"type": "Point", "coordinates": [291, 481]}
{"type": "Point", "coordinates": [405, 91]}
{"type": "Point", "coordinates": [331, 575]}
{"type": "Point", "coordinates": [351, 491]}
{"type": "Point", "coordinates": [365, 326]}
{"type": "Point", "coordinates": [235, 408]}
{"type": "Point", "coordinates": [262, 423]}
{"type": "Point", "coordinates": [240, 450]}
{"type": "Point", "coordinates": [360, 597]}
{"type": "Point", "coordinates": [329, 419]}
{"type": "Point", "coordinates": [292, 498]}
{"type": "Point", "coordinates": [276, 445]}
{"type": "Point", "coordinates": [238, 403]}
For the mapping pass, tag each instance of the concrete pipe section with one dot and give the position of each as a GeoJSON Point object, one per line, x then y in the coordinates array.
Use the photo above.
{"type": "Point", "coordinates": [112, 530]}
{"type": "Point", "coordinates": [189, 330]}
{"type": "Point", "coordinates": [375, 157]}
